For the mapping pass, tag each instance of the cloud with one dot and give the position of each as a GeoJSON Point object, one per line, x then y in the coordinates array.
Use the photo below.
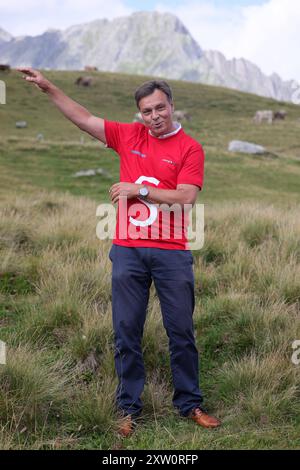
{"type": "Point", "coordinates": [269, 35]}
{"type": "Point", "coordinates": [32, 17]}
{"type": "Point", "coordinates": [266, 34]}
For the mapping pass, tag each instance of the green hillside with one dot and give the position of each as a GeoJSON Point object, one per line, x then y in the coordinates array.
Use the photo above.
{"type": "Point", "coordinates": [57, 388]}
{"type": "Point", "coordinates": [218, 116]}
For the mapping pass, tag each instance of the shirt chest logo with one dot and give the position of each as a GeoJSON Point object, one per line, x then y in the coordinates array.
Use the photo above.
{"type": "Point", "coordinates": [137, 152]}
{"type": "Point", "coordinates": [168, 160]}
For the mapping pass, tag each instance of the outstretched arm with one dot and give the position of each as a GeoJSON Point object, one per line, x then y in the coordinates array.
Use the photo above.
{"type": "Point", "coordinates": [73, 111]}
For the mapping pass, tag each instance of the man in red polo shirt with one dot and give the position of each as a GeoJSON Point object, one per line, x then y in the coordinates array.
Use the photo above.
{"type": "Point", "coordinates": [161, 172]}
{"type": "Point", "coordinates": [158, 156]}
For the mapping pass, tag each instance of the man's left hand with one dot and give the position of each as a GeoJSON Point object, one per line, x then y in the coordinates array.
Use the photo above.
{"type": "Point", "coordinates": [129, 190]}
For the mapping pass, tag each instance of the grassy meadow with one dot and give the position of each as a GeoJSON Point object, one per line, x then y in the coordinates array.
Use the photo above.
{"type": "Point", "coordinates": [57, 388]}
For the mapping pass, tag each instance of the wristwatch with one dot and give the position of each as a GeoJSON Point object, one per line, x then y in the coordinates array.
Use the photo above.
{"type": "Point", "coordinates": [143, 192]}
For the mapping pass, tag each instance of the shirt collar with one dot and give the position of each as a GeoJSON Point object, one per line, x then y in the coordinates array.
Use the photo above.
{"type": "Point", "coordinates": [165, 136]}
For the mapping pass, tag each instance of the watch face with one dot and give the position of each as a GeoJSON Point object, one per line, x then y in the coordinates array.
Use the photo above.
{"type": "Point", "coordinates": [144, 192]}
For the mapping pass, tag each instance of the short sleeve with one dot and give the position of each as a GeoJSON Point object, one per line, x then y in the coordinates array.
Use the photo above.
{"type": "Point", "coordinates": [192, 170]}
{"type": "Point", "coordinates": [120, 134]}
{"type": "Point", "coordinates": [112, 134]}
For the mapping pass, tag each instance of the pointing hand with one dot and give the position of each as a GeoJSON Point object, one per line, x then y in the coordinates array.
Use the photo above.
{"type": "Point", "coordinates": [35, 77]}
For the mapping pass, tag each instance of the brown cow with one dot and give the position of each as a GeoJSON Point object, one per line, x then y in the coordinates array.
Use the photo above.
{"type": "Point", "coordinates": [4, 67]}
{"type": "Point", "coordinates": [281, 114]}
{"type": "Point", "coordinates": [84, 81]}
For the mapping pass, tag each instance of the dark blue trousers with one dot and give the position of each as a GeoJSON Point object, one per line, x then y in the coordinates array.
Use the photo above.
{"type": "Point", "coordinates": [172, 272]}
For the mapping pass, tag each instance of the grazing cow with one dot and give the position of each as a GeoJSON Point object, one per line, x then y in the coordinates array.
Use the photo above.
{"type": "Point", "coordinates": [90, 68]}
{"type": "Point", "coordinates": [84, 81]}
{"type": "Point", "coordinates": [138, 118]}
{"type": "Point", "coordinates": [280, 115]}
{"type": "Point", "coordinates": [266, 115]}
{"type": "Point", "coordinates": [181, 116]}
{"type": "Point", "coordinates": [177, 116]}
{"type": "Point", "coordinates": [4, 67]}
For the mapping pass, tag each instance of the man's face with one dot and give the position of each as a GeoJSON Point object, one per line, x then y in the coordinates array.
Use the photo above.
{"type": "Point", "coordinates": [157, 112]}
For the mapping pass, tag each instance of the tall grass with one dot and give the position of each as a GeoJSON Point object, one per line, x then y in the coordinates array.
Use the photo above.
{"type": "Point", "coordinates": [57, 389]}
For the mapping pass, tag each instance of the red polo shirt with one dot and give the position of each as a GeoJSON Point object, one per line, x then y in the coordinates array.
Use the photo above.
{"type": "Point", "coordinates": [163, 162]}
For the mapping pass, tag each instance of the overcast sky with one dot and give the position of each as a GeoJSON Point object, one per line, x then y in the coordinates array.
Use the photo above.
{"type": "Point", "coordinates": [267, 32]}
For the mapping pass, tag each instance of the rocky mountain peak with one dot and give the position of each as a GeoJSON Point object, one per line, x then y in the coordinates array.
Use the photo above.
{"type": "Point", "coordinates": [4, 35]}
{"type": "Point", "coordinates": [147, 43]}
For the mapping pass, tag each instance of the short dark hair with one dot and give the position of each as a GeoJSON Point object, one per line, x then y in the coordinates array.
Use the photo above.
{"type": "Point", "coordinates": [149, 87]}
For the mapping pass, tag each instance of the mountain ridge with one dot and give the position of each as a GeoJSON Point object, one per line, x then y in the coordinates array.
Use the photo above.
{"type": "Point", "coordinates": [136, 45]}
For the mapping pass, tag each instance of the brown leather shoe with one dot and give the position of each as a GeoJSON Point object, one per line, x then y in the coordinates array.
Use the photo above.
{"type": "Point", "coordinates": [126, 426]}
{"type": "Point", "coordinates": [203, 419]}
